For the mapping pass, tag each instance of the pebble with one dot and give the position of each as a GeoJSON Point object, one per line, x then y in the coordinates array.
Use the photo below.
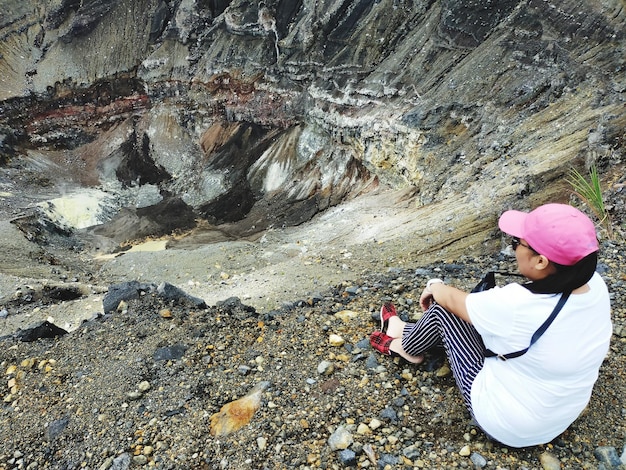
{"type": "Point", "coordinates": [478, 460]}
{"type": "Point", "coordinates": [143, 386]}
{"type": "Point", "coordinates": [325, 368]}
{"type": "Point", "coordinates": [347, 457]}
{"type": "Point", "coordinates": [549, 461]}
{"type": "Point", "coordinates": [165, 313]}
{"type": "Point", "coordinates": [134, 395]}
{"type": "Point", "coordinates": [412, 452]}
{"type": "Point", "coordinates": [140, 460]}
{"type": "Point", "coordinates": [363, 429]}
{"type": "Point", "coordinates": [347, 315]}
{"type": "Point", "coordinates": [465, 451]}
{"type": "Point", "coordinates": [375, 424]}
{"type": "Point", "coordinates": [608, 456]}
{"type": "Point", "coordinates": [336, 340]}
{"type": "Point", "coordinates": [340, 439]}
{"type": "Point", "coordinates": [443, 371]}
{"type": "Point", "coordinates": [121, 462]}
{"type": "Point", "coordinates": [56, 427]}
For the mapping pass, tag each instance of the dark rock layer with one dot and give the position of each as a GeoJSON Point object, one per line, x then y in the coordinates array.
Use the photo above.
{"type": "Point", "coordinates": [262, 115]}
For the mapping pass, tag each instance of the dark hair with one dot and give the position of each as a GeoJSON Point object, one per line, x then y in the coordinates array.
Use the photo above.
{"type": "Point", "coordinates": [566, 278]}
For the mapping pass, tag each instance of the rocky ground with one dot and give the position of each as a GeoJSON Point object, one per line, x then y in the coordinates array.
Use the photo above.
{"type": "Point", "coordinates": [139, 386]}
{"type": "Point", "coordinates": [284, 321]}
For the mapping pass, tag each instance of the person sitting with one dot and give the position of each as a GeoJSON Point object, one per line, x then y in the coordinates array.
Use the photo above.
{"type": "Point", "coordinates": [525, 357]}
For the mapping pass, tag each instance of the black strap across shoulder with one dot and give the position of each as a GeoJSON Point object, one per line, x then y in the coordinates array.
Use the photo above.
{"type": "Point", "coordinates": [541, 330]}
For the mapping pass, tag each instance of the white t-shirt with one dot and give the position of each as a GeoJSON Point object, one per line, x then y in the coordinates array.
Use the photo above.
{"type": "Point", "coordinates": [533, 398]}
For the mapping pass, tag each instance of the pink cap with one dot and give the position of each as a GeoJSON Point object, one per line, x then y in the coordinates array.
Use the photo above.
{"type": "Point", "coordinates": [560, 232]}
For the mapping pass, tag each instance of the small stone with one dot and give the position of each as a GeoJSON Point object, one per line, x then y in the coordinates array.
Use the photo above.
{"type": "Point", "coordinates": [549, 461]}
{"type": "Point", "coordinates": [478, 460]}
{"type": "Point", "coordinates": [143, 386]}
{"type": "Point", "coordinates": [369, 452]}
{"type": "Point", "coordinates": [325, 368]}
{"type": "Point", "coordinates": [261, 443]}
{"type": "Point", "coordinates": [375, 424]}
{"type": "Point", "coordinates": [388, 459]}
{"type": "Point", "coordinates": [363, 429]}
{"type": "Point", "coordinates": [134, 395]}
{"type": "Point", "coordinates": [237, 414]}
{"type": "Point", "coordinates": [398, 401]}
{"type": "Point", "coordinates": [346, 315]}
{"type": "Point", "coordinates": [122, 306]}
{"type": "Point", "coordinates": [389, 413]}
{"type": "Point", "coordinates": [340, 439]}
{"type": "Point", "coordinates": [607, 455]}
{"type": "Point", "coordinates": [28, 363]}
{"type": "Point", "coordinates": [371, 362]}
{"type": "Point", "coordinates": [148, 450]}
{"type": "Point", "coordinates": [56, 427]}
{"type": "Point", "coordinates": [347, 457]}
{"type": "Point", "coordinates": [140, 460]}
{"type": "Point", "coordinates": [411, 452]}
{"type": "Point", "coordinates": [336, 340]}
{"type": "Point", "coordinates": [121, 462]}
{"type": "Point", "coordinates": [443, 371]}
{"type": "Point", "coordinates": [106, 464]}
{"type": "Point", "coordinates": [169, 353]}
{"type": "Point", "coordinates": [165, 313]}
{"type": "Point", "coordinates": [465, 451]}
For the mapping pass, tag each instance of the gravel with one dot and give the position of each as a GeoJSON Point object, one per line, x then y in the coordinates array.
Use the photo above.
{"type": "Point", "coordinates": [137, 387]}
{"type": "Point", "coordinates": [141, 383]}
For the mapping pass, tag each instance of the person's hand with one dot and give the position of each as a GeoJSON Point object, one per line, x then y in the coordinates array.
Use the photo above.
{"type": "Point", "coordinates": [426, 299]}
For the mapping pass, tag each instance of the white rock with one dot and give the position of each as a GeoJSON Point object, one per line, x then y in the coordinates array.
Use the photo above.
{"type": "Point", "coordinates": [340, 439]}
{"type": "Point", "coordinates": [336, 340]}
{"type": "Point", "coordinates": [375, 424]}
{"type": "Point", "coordinates": [363, 429]}
{"type": "Point", "coordinates": [143, 386]}
{"type": "Point", "coordinates": [325, 368]}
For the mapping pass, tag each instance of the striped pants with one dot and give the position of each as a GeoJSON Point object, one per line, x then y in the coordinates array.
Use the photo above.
{"type": "Point", "coordinates": [462, 343]}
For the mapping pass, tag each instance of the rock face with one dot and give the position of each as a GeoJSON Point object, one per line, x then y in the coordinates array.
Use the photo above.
{"type": "Point", "coordinates": [250, 115]}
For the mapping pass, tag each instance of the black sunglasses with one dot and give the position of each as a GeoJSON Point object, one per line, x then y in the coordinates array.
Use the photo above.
{"type": "Point", "coordinates": [515, 242]}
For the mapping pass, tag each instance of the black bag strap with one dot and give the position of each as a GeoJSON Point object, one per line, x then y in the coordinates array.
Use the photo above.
{"type": "Point", "coordinates": [541, 330]}
{"type": "Point", "coordinates": [489, 280]}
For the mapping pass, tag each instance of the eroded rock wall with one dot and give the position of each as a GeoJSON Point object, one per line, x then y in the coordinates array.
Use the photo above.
{"type": "Point", "coordinates": [264, 113]}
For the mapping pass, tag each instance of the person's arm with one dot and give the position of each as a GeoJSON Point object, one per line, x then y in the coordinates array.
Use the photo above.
{"type": "Point", "coordinates": [450, 298]}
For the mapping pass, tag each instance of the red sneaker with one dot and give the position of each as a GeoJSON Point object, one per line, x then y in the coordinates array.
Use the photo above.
{"type": "Point", "coordinates": [381, 342]}
{"type": "Point", "coordinates": [386, 312]}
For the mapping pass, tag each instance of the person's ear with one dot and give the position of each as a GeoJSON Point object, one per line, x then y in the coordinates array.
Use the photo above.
{"type": "Point", "coordinates": [542, 263]}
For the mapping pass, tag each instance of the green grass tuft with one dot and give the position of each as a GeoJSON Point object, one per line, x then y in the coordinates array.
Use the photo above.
{"type": "Point", "coordinates": [590, 192]}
